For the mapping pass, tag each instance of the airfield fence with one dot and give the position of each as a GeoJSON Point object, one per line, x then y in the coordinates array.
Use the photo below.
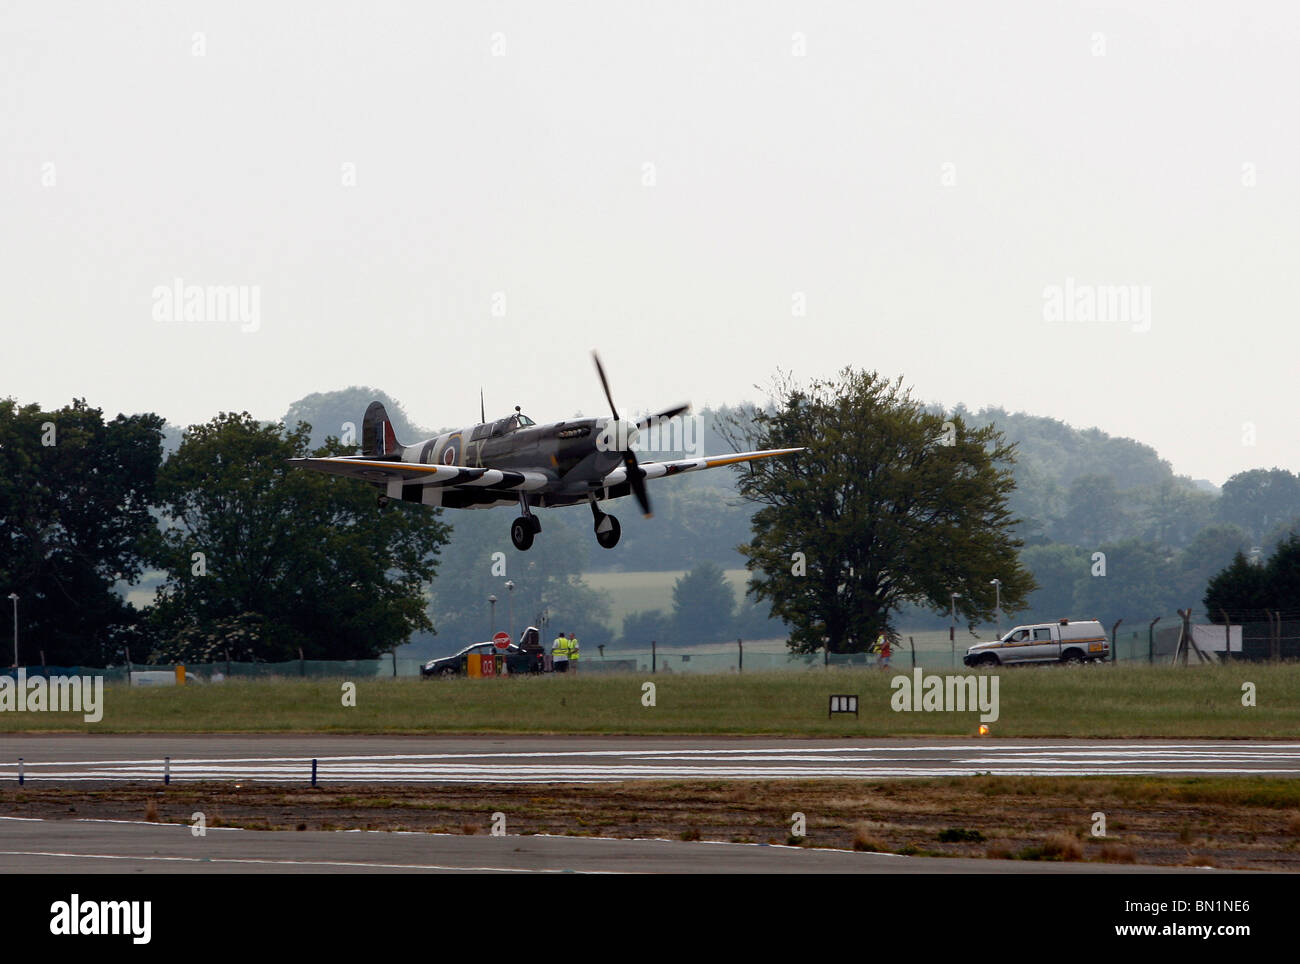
{"type": "Point", "coordinates": [1135, 641]}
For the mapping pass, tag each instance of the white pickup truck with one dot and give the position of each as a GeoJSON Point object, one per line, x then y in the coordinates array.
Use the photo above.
{"type": "Point", "coordinates": [1065, 641]}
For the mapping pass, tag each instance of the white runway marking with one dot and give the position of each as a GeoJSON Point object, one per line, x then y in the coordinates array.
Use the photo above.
{"type": "Point", "coordinates": [747, 763]}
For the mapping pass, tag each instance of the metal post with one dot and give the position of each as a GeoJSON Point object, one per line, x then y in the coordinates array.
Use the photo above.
{"type": "Point", "coordinates": [20, 771]}
{"type": "Point", "coordinates": [1113, 629]}
{"type": "Point", "coordinates": [313, 771]}
{"type": "Point", "coordinates": [14, 597]}
{"type": "Point", "coordinates": [167, 770]}
{"type": "Point", "coordinates": [741, 665]}
{"type": "Point", "coordinates": [653, 656]}
{"type": "Point", "coordinates": [1151, 639]}
{"type": "Point", "coordinates": [952, 628]}
{"type": "Point", "coordinates": [911, 642]}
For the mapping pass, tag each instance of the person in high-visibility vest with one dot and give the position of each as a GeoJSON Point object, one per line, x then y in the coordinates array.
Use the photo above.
{"type": "Point", "coordinates": [573, 652]}
{"type": "Point", "coordinates": [882, 647]}
{"type": "Point", "coordinates": [560, 654]}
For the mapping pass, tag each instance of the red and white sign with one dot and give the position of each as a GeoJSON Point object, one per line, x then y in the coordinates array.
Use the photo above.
{"type": "Point", "coordinates": [501, 640]}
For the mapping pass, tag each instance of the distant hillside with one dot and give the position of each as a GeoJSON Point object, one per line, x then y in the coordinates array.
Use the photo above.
{"type": "Point", "coordinates": [329, 412]}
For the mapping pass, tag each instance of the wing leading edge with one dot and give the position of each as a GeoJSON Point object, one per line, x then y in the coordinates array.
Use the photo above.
{"type": "Point", "coordinates": [457, 476]}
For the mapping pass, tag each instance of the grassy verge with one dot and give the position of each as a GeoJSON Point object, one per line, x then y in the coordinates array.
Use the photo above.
{"type": "Point", "coordinates": [1250, 823]}
{"type": "Point", "coordinates": [1110, 701]}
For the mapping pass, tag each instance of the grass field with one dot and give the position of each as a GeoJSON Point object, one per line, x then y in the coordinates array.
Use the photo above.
{"type": "Point", "coordinates": [1123, 701]}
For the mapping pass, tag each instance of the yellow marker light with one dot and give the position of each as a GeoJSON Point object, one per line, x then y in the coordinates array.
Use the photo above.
{"type": "Point", "coordinates": [984, 729]}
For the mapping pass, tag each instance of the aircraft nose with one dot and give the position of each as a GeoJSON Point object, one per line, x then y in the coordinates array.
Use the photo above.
{"type": "Point", "coordinates": [616, 435]}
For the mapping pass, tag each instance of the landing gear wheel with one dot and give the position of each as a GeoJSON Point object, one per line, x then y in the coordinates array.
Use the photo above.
{"type": "Point", "coordinates": [607, 531]}
{"type": "Point", "coordinates": [521, 533]}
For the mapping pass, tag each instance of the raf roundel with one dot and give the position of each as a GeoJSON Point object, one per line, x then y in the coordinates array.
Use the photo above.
{"type": "Point", "coordinates": [449, 456]}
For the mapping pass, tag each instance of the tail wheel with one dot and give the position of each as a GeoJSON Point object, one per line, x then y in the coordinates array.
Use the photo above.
{"type": "Point", "coordinates": [521, 533]}
{"type": "Point", "coordinates": [607, 531]}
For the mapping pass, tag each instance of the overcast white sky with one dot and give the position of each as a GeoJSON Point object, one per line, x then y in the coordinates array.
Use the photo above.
{"type": "Point", "coordinates": [915, 175]}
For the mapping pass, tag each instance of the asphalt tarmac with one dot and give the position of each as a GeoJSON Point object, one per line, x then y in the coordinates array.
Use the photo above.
{"type": "Point", "coordinates": [96, 846]}
{"type": "Point", "coordinates": [112, 847]}
{"type": "Point", "coordinates": [110, 759]}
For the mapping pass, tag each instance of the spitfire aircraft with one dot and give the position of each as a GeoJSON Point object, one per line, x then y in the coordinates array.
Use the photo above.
{"type": "Point", "coordinates": [515, 461]}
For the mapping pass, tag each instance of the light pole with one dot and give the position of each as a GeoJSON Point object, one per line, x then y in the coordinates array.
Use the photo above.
{"type": "Point", "coordinates": [492, 602]}
{"type": "Point", "coordinates": [952, 630]}
{"type": "Point", "coordinates": [510, 604]}
{"type": "Point", "coordinates": [997, 607]}
{"type": "Point", "coordinates": [14, 597]}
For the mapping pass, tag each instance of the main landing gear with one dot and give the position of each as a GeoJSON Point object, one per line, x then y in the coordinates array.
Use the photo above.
{"type": "Point", "coordinates": [607, 528]}
{"type": "Point", "coordinates": [523, 529]}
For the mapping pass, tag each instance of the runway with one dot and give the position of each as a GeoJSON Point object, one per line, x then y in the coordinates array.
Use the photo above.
{"type": "Point", "coordinates": [113, 847]}
{"type": "Point", "coordinates": [112, 759]}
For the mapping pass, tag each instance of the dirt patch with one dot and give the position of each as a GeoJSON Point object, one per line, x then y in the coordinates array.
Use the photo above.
{"type": "Point", "coordinates": [1209, 823]}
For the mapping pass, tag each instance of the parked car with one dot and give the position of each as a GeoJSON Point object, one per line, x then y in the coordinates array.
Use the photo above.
{"type": "Point", "coordinates": [455, 665]}
{"type": "Point", "coordinates": [1065, 641]}
{"type": "Point", "coordinates": [526, 659]}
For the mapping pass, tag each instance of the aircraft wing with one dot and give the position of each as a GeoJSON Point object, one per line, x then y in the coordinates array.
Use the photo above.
{"type": "Point", "coordinates": [415, 473]}
{"type": "Point", "coordinates": [656, 470]}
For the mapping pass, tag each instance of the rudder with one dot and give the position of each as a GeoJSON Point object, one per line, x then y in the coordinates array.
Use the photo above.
{"type": "Point", "coordinates": [377, 437]}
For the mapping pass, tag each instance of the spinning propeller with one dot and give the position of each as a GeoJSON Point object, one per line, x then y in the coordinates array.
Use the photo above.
{"type": "Point", "coordinates": [634, 476]}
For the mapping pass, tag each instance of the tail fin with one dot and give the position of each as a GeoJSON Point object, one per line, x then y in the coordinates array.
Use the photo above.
{"type": "Point", "coordinates": [377, 438]}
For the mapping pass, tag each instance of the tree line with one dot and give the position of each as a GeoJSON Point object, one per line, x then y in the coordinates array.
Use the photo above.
{"type": "Point", "coordinates": [896, 515]}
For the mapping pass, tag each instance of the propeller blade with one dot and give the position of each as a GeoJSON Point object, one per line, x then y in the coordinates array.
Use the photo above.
{"type": "Point", "coordinates": [666, 413]}
{"type": "Point", "coordinates": [637, 481]}
{"type": "Point", "coordinates": [605, 384]}
{"type": "Point", "coordinates": [634, 476]}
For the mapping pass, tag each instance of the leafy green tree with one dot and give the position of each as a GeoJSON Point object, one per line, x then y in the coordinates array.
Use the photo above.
{"type": "Point", "coordinates": [1241, 590]}
{"type": "Point", "coordinates": [704, 605]}
{"type": "Point", "coordinates": [1058, 569]}
{"type": "Point", "coordinates": [1136, 584]}
{"type": "Point", "coordinates": [263, 558]}
{"type": "Point", "coordinates": [645, 626]}
{"type": "Point", "coordinates": [1282, 574]}
{"type": "Point", "coordinates": [1213, 548]}
{"type": "Point", "coordinates": [339, 414]}
{"type": "Point", "coordinates": [1260, 499]}
{"type": "Point", "coordinates": [888, 504]}
{"type": "Point", "coordinates": [1095, 512]}
{"type": "Point", "coordinates": [1171, 514]}
{"type": "Point", "coordinates": [75, 493]}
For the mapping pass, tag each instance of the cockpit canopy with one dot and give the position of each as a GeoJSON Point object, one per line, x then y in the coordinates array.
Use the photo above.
{"type": "Point", "coordinates": [503, 426]}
